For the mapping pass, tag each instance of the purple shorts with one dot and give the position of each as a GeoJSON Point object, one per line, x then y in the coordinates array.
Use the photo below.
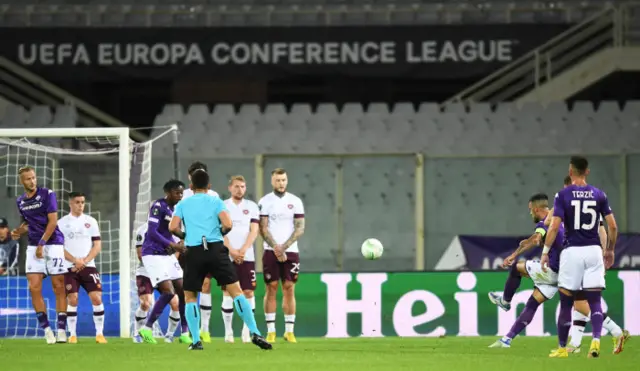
{"type": "Point", "coordinates": [274, 270]}
{"type": "Point", "coordinates": [88, 279]}
{"type": "Point", "coordinates": [246, 275]}
{"type": "Point", "coordinates": [144, 285]}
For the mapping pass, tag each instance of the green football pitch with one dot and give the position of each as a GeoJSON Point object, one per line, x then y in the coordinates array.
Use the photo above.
{"type": "Point", "coordinates": [310, 354]}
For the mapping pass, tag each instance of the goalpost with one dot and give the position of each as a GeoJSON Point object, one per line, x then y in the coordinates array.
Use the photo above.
{"type": "Point", "coordinates": [92, 153]}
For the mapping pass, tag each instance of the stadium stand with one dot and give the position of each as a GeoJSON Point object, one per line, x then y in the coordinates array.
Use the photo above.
{"type": "Point", "coordinates": [194, 13]}
{"type": "Point", "coordinates": [401, 128]}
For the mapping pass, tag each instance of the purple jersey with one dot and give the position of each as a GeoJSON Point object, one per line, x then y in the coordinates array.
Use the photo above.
{"type": "Point", "coordinates": [580, 208]}
{"type": "Point", "coordinates": [158, 237]}
{"type": "Point", "coordinates": [556, 248]}
{"type": "Point", "coordinates": [35, 212]}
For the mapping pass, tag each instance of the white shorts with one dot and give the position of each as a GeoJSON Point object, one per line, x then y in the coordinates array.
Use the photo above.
{"type": "Point", "coordinates": [52, 263]}
{"type": "Point", "coordinates": [546, 282]}
{"type": "Point", "coordinates": [162, 268]}
{"type": "Point", "coordinates": [581, 267]}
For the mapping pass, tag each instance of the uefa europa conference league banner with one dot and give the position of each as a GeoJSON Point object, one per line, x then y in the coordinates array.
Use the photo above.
{"type": "Point", "coordinates": [340, 305]}
{"type": "Point", "coordinates": [169, 53]}
{"type": "Point", "coordinates": [488, 253]}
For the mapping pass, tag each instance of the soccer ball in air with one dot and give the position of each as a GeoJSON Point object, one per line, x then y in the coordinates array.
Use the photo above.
{"type": "Point", "coordinates": [372, 249]}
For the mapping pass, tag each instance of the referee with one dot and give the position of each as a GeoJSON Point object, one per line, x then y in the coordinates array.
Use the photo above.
{"type": "Point", "coordinates": [206, 220]}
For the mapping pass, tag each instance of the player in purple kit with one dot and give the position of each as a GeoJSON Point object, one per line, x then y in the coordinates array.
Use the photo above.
{"type": "Point", "coordinates": [582, 266]}
{"type": "Point", "coordinates": [581, 310]}
{"type": "Point", "coordinates": [45, 252]}
{"type": "Point", "coordinates": [545, 281]}
{"type": "Point", "coordinates": [158, 257]}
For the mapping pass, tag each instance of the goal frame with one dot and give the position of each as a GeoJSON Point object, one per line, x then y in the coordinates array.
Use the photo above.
{"type": "Point", "coordinates": [124, 168]}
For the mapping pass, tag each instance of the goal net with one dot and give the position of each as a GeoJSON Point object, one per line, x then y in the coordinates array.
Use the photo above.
{"type": "Point", "coordinates": [115, 174]}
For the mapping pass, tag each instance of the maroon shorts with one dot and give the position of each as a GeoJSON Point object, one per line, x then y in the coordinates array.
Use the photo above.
{"type": "Point", "coordinates": [246, 275]}
{"type": "Point", "coordinates": [144, 285]}
{"type": "Point", "coordinates": [88, 279]}
{"type": "Point", "coordinates": [273, 270]}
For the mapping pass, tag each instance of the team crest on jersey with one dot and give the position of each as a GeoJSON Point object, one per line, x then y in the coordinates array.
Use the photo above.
{"type": "Point", "coordinates": [246, 212]}
{"type": "Point", "coordinates": [290, 206]}
{"type": "Point", "coordinates": [38, 198]}
{"type": "Point", "coordinates": [87, 225]}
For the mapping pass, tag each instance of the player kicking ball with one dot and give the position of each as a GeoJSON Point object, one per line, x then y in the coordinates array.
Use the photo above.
{"type": "Point", "coordinates": [160, 262]}
{"type": "Point", "coordinates": [205, 294]}
{"type": "Point", "coordinates": [281, 224]}
{"type": "Point", "coordinates": [82, 243]}
{"type": "Point", "coordinates": [581, 311]}
{"type": "Point", "coordinates": [582, 265]}
{"type": "Point", "coordinates": [145, 296]}
{"type": "Point", "coordinates": [545, 281]}
{"type": "Point", "coordinates": [206, 220]}
{"type": "Point", "coordinates": [245, 216]}
{"type": "Point", "coordinates": [45, 255]}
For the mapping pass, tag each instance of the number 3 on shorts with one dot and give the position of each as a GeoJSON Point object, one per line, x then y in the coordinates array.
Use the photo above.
{"type": "Point", "coordinates": [253, 275]}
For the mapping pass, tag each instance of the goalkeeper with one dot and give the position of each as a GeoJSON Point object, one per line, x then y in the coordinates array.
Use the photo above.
{"type": "Point", "coordinates": [206, 219]}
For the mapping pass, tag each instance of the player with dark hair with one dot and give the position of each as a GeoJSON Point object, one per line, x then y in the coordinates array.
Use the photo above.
{"type": "Point", "coordinates": [581, 311]}
{"type": "Point", "coordinates": [206, 220]}
{"type": "Point", "coordinates": [582, 265]}
{"type": "Point", "coordinates": [545, 281]}
{"type": "Point", "coordinates": [158, 257]}
{"type": "Point", "coordinates": [38, 208]}
{"type": "Point", "coordinates": [205, 294]}
{"type": "Point", "coordinates": [281, 224]}
{"type": "Point", "coordinates": [82, 241]}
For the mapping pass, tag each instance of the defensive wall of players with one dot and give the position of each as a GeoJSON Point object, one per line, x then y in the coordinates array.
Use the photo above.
{"type": "Point", "coordinates": [390, 304]}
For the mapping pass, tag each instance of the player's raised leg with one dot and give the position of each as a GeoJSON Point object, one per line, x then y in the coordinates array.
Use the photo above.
{"type": "Point", "coordinates": [205, 310]}
{"type": "Point", "coordinates": [516, 272]}
{"type": "Point", "coordinates": [525, 318]}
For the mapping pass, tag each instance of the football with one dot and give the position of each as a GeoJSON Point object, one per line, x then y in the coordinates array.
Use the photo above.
{"type": "Point", "coordinates": [372, 249]}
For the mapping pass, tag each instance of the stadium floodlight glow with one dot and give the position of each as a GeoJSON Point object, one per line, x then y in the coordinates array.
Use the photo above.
{"type": "Point", "coordinates": [64, 157]}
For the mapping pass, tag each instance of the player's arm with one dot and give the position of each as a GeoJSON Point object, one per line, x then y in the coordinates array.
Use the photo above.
{"type": "Point", "coordinates": [298, 224]}
{"type": "Point", "coordinates": [612, 234]}
{"type": "Point", "coordinates": [547, 220]}
{"type": "Point", "coordinates": [533, 241]}
{"type": "Point", "coordinates": [153, 233]}
{"type": "Point", "coordinates": [602, 233]}
{"type": "Point", "coordinates": [225, 222]}
{"type": "Point", "coordinates": [96, 245]}
{"type": "Point", "coordinates": [175, 227]}
{"type": "Point", "coordinates": [52, 219]}
{"type": "Point", "coordinates": [264, 231]}
{"type": "Point", "coordinates": [253, 231]}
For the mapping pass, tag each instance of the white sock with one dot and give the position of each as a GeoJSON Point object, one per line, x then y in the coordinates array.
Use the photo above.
{"type": "Point", "coordinates": [289, 322]}
{"type": "Point", "coordinates": [227, 314]}
{"type": "Point", "coordinates": [577, 329]}
{"type": "Point", "coordinates": [205, 311]}
{"type": "Point", "coordinates": [252, 301]}
{"type": "Point", "coordinates": [611, 326]}
{"type": "Point", "coordinates": [98, 318]}
{"type": "Point", "coordinates": [174, 321]}
{"type": "Point", "coordinates": [72, 319]}
{"type": "Point", "coordinates": [141, 318]}
{"type": "Point", "coordinates": [271, 321]}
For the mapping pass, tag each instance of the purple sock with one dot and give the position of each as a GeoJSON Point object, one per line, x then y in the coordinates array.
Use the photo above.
{"type": "Point", "coordinates": [43, 320]}
{"type": "Point", "coordinates": [183, 316]}
{"type": "Point", "coordinates": [512, 284]}
{"type": "Point", "coordinates": [158, 308]}
{"type": "Point", "coordinates": [594, 298]}
{"type": "Point", "coordinates": [524, 318]}
{"type": "Point", "coordinates": [564, 319]}
{"type": "Point", "coordinates": [62, 321]}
